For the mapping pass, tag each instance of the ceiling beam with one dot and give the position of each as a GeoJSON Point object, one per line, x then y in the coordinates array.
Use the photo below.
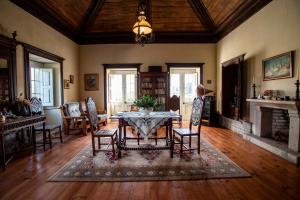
{"type": "Point", "coordinates": [160, 37]}
{"type": "Point", "coordinates": [39, 10]}
{"type": "Point", "coordinates": [91, 14]}
{"type": "Point", "coordinates": [241, 14]}
{"type": "Point", "coordinates": [202, 13]}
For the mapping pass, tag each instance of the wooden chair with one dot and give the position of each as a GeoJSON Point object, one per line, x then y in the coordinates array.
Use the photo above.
{"type": "Point", "coordinates": [95, 131]}
{"type": "Point", "coordinates": [37, 109]}
{"type": "Point", "coordinates": [174, 106]}
{"type": "Point", "coordinates": [195, 120]}
{"type": "Point", "coordinates": [102, 115]}
{"type": "Point", "coordinates": [73, 118]}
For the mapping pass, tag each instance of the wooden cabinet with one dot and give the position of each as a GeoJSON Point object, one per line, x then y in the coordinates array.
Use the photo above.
{"type": "Point", "coordinates": [155, 84]}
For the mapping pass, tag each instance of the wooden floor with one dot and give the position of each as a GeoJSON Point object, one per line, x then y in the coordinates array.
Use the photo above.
{"type": "Point", "coordinates": [272, 177]}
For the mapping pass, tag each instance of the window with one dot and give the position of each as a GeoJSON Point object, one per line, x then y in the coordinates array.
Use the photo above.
{"type": "Point", "coordinates": [42, 85]}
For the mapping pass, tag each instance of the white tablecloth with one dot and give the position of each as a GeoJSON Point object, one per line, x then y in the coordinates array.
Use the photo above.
{"type": "Point", "coordinates": [146, 124]}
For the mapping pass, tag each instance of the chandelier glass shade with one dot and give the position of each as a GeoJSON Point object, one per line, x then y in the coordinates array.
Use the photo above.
{"type": "Point", "coordinates": [142, 28]}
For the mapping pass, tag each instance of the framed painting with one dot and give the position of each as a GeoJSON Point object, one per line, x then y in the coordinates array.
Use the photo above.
{"type": "Point", "coordinates": [66, 84]}
{"type": "Point", "coordinates": [278, 67]}
{"type": "Point", "coordinates": [91, 82]}
{"type": "Point", "coordinates": [72, 79]}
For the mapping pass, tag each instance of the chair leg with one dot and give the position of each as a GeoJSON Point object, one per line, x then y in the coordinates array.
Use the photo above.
{"type": "Point", "coordinates": [44, 140]}
{"type": "Point", "coordinates": [60, 134]}
{"type": "Point", "coordinates": [156, 138]}
{"type": "Point", "coordinates": [50, 139]}
{"type": "Point", "coordinates": [167, 134]}
{"type": "Point", "coordinates": [113, 146]}
{"type": "Point", "coordinates": [99, 143]}
{"type": "Point", "coordinates": [93, 145]}
{"type": "Point", "coordinates": [138, 134]}
{"type": "Point", "coordinates": [125, 134]}
{"type": "Point", "coordinates": [198, 144]}
{"type": "Point", "coordinates": [190, 141]}
{"type": "Point", "coordinates": [181, 146]}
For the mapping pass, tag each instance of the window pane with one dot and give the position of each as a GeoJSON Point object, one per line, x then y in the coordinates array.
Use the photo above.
{"type": "Point", "coordinates": [130, 87]}
{"type": "Point", "coordinates": [116, 88]}
{"type": "Point", "coordinates": [175, 85]}
{"type": "Point", "coordinates": [190, 87]}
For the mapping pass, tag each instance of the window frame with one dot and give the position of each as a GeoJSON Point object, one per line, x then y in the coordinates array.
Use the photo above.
{"type": "Point", "coordinates": [29, 49]}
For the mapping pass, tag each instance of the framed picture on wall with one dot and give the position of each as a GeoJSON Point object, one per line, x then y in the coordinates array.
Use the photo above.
{"type": "Point", "coordinates": [278, 67]}
{"type": "Point", "coordinates": [72, 79]}
{"type": "Point", "coordinates": [66, 84]}
{"type": "Point", "coordinates": [91, 82]}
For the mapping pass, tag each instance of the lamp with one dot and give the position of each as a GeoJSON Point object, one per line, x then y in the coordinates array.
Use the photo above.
{"type": "Point", "coordinates": [142, 28]}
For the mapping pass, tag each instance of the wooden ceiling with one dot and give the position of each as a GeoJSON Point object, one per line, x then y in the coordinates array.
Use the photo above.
{"type": "Point", "coordinates": [173, 21]}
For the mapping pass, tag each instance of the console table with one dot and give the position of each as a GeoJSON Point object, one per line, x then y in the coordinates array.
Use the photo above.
{"type": "Point", "coordinates": [16, 124]}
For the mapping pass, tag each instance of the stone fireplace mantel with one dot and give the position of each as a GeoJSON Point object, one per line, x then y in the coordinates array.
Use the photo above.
{"type": "Point", "coordinates": [261, 119]}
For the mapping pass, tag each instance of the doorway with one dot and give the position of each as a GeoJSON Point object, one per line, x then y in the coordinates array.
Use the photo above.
{"type": "Point", "coordinates": [120, 87]}
{"type": "Point", "coordinates": [183, 83]}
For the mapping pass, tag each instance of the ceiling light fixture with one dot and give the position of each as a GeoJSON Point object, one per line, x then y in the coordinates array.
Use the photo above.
{"type": "Point", "coordinates": [142, 28]}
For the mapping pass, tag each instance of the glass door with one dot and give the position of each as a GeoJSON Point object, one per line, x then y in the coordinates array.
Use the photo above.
{"type": "Point", "coordinates": [121, 90]}
{"type": "Point", "coordinates": [183, 83]}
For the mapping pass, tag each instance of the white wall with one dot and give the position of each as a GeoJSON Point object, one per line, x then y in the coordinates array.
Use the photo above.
{"type": "Point", "coordinates": [93, 56]}
{"type": "Point", "coordinates": [273, 30]}
{"type": "Point", "coordinates": [35, 32]}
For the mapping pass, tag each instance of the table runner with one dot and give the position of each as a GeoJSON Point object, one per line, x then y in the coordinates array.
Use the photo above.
{"type": "Point", "coordinates": [146, 124]}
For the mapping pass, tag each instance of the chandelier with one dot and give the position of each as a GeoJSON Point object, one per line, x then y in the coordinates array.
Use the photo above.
{"type": "Point", "coordinates": [142, 28]}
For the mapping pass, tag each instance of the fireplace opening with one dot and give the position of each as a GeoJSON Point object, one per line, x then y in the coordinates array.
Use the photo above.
{"type": "Point", "coordinates": [277, 125]}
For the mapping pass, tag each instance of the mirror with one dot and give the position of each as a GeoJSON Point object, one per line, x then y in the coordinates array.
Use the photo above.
{"type": "Point", "coordinates": [4, 78]}
{"type": "Point", "coordinates": [7, 69]}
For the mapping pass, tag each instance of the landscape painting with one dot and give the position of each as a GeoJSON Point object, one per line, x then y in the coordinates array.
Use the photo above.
{"type": "Point", "coordinates": [278, 67]}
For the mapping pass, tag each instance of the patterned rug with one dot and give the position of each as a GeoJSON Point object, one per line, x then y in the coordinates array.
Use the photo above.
{"type": "Point", "coordinates": [149, 165]}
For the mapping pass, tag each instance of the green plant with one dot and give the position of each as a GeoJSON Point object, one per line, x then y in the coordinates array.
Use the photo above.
{"type": "Point", "coordinates": [146, 102]}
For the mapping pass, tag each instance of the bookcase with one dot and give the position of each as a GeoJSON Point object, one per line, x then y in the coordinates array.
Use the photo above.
{"type": "Point", "coordinates": [155, 84]}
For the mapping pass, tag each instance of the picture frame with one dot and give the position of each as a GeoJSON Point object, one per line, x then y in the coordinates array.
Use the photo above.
{"type": "Point", "coordinates": [72, 79]}
{"type": "Point", "coordinates": [278, 67]}
{"type": "Point", "coordinates": [66, 84]}
{"type": "Point", "coordinates": [91, 82]}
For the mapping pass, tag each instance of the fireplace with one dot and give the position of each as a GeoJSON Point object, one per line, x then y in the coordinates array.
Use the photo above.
{"type": "Point", "coordinates": [276, 127]}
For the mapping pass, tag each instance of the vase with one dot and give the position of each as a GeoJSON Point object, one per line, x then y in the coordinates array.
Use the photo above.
{"type": "Point", "coordinates": [145, 111]}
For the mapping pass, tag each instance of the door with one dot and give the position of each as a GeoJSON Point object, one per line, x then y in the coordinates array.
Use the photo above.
{"type": "Point", "coordinates": [121, 90]}
{"type": "Point", "coordinates": [183, 83]}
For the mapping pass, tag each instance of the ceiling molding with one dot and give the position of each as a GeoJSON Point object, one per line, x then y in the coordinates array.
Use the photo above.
{"type": "Point", "coordinates": [91, 14]}
{"type": "Point", "coordinates": [40, 11]}
{"type": "Point", "coordinates": [160, 37]}
{"type": "Point", "coordinates": [242, 13]}
{"type": "Point", "coordinates": [202, 13]}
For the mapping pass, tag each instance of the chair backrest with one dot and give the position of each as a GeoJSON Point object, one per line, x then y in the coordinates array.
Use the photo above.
{"type": "Point", "coordinates": [134, 108]}
{"type": "Point", "coordinates": [36, 106]}
{"type": "Point", "coordinates": [174, 103]}
{"type": "Point", "coordinates": [72, 109]}
{"type": "Point", "coordinates": [197, 112]}
{"type": "Point", "coordinates": [92, 113]}
{"type": "Point", "coordinates": [83, 107]}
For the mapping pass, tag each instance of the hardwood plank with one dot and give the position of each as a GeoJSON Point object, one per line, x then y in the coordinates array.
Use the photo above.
{"type": "Point", "coordinates": [272, 177]}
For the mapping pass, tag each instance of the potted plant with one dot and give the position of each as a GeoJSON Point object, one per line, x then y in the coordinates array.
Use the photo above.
{"type": "Point", "coordinates": [146, 104]}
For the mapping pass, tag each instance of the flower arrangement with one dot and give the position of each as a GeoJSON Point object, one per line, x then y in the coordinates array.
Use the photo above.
{"type": "Point", "coordinates": [146, 102]}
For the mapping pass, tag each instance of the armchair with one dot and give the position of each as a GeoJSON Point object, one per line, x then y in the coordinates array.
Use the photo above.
{"type": "Point", "coordinates": [73, 118]}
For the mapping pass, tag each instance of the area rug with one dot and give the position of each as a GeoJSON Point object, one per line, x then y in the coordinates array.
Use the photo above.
{"type": "Point", "coordinates": [151, 165]}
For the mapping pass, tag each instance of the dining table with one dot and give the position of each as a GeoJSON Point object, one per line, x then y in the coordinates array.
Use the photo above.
{"type": "Point", "coordinates": [146, 124]}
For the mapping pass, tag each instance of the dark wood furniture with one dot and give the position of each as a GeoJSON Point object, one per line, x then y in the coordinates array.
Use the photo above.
{"type": "Point", "coordinates": [95, 131]}
{"type": "Point", "coordinates": [174, 106]}
{"type": "Point", "coordinates": [232, 88]}
{"type": "Point", "coordinates": [18, 124]}
{"type": "Point", "coordinates": [37, 109]}
{"type": "Point", "coordinates": [155, 84]}
{"type": "Point", "coordinates": [209, 113]}
{"type": "Point", "coordinates": [196, 120]}
{"type": "Point", "coordinates": [73, 118]}
{"type": "Point", "coordinates": [8, 79]}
